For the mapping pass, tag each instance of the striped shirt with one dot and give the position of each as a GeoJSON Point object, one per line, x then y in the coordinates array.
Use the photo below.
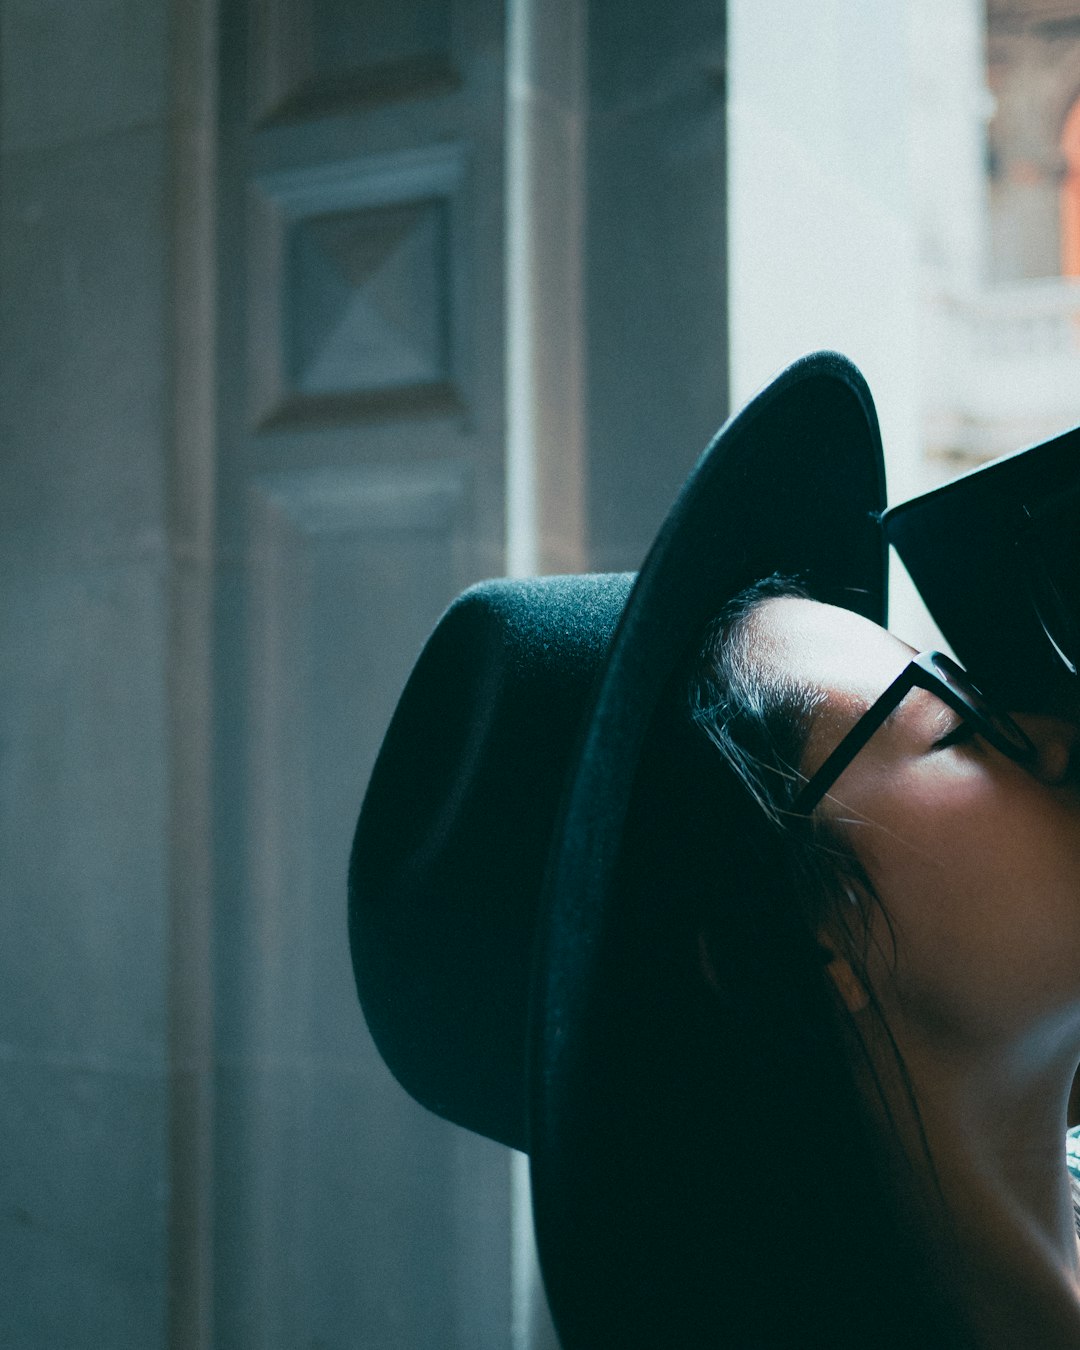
{"type": "Point", "coordinates": [1072, 1161]}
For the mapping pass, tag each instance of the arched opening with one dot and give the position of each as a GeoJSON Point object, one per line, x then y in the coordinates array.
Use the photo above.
{"type": "Point", "coordinates": [1070, 193]}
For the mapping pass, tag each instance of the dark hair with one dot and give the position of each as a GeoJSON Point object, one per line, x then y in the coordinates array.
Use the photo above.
{"type": "Point", "coordinates": [759, 720]}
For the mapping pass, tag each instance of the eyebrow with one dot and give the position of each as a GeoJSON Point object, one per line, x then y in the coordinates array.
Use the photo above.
{"type": "Point", "coordinates": [944, 714]}
{"type": "Point", "coordinates": [819, 700]}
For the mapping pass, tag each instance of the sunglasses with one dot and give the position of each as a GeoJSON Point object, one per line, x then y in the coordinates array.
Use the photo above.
{"type": "Point", "coordinates": [1049, 550]}
{"type": "Point", "coordinates": [938, 673]}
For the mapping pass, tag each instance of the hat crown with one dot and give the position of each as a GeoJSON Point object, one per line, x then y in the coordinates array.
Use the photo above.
{"type": "Point", "coordinates": [449, 852]}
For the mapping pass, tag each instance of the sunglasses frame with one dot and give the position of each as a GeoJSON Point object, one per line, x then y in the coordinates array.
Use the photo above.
{"type": "Point", "coordinates": [924, 671]}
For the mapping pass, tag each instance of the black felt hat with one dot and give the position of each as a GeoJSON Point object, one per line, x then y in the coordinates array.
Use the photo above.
{"type": "Point", "coordinates": [540, 833]}
{"type": "Point", "coordinates": [995, 554]}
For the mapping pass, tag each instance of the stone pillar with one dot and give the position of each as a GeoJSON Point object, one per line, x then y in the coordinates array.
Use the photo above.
{"type": "Point", "coordinates": [84, 677]}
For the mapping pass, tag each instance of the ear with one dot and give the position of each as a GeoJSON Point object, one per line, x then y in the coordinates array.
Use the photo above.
{"type": "Point", "coordinates": [848, 985]}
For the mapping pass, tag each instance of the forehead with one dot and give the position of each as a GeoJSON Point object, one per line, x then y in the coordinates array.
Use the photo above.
{"type": "Point", "coordinates": [823, 647]}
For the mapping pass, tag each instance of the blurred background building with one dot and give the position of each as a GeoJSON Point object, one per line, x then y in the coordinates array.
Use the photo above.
{"type": "Point", "coordinates": [311, 313]}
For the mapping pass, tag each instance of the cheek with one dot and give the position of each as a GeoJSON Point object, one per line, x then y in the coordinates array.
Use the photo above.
{"type": "Point", "coordinates": [980, 877]}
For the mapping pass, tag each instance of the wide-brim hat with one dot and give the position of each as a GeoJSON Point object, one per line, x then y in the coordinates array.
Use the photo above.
{"type": "Point", "coordinates": [542, 833]}
{"type": "Point", "coordinates": [995, 553]}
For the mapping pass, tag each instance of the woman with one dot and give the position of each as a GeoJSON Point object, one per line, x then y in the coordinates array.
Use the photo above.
{"type": "Point", "coordinates": [770, 1047]}
{"type": "Point", "coordinates": [946, 847]}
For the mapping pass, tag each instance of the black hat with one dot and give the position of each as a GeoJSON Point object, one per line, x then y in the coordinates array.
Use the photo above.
{"type": "Point", "coordinates": [995, 554]}
{"type": "Point", "coordinates": [540, 831]}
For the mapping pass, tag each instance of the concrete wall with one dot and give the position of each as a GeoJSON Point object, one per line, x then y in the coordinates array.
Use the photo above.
{"type": "Point", "coordinates": [83, 673]}
{"type": "Point", "coordinates": [823, 218]}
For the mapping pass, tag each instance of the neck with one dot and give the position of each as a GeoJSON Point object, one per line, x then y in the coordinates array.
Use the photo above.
{"type": "Point", "coordinates": [994, 1128]}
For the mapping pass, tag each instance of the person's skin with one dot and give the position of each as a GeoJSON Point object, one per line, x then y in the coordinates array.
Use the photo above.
{"type": "Point", "coordinates": [977, 862]}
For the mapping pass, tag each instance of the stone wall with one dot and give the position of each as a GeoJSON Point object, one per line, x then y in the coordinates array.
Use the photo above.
{"type": "Point", "coordinates": [83, 673]}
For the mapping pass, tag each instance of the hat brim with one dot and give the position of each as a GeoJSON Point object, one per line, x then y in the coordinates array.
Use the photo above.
{"type": "Point", "coordinates": [793, 484]}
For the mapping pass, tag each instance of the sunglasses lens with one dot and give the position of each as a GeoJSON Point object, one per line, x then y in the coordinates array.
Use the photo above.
{"type": "Point", "coordinates": [1056, 597]}
{"type": "Point", "coordinates": [999, 727]}
{"type": "Point", "coordinates": [1050, 548]}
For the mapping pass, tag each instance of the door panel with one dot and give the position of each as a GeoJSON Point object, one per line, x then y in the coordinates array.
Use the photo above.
{"type": "Point", "coordinates": [359, 488]}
